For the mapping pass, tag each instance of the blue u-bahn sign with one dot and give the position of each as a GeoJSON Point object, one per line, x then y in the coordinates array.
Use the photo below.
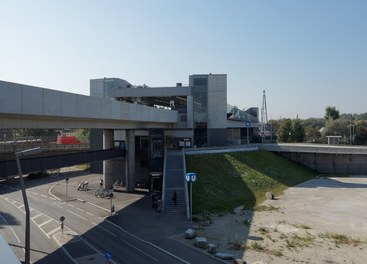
{"type": "Point", "coordinates": [190, 177]}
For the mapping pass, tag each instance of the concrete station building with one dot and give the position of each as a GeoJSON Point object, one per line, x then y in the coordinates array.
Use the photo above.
{"type": "Point", "coordinates": [204, 119]}
{"type": "Point", "coordinates": [145, 121]}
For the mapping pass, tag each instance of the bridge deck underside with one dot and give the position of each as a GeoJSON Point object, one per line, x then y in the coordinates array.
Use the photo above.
{"type": "Point", "coordinates": [9, 167]}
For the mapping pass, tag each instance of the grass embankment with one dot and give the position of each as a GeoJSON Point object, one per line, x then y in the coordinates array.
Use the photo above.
{"type": "Point", "coordinates": [225, 181]}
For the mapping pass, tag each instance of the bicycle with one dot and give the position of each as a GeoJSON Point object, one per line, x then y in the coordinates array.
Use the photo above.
{"type": "Point", "coordinates": [102, 193]}
{"type": "Point", "coordinates": [118, 183]}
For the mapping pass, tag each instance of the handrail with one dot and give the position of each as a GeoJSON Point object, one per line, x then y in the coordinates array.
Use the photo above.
{"type": "Point", "coordinates": [164, 179]}
{"type": "Point", "coordinates": [186, 188]}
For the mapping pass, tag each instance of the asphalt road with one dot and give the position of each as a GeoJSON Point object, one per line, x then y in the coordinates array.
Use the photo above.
{"type": "Point", "coordinates": [135, 234]}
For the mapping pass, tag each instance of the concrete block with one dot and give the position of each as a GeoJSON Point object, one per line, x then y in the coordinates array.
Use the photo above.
{"type": "Point", "coordinates": [68, 104]}
{"type": "Point", "coordinates": [32, 100]}
{"type": "Point", "coordinates": [52, 102]}
{"type": "Point", "coordinates": [83, 106]}
{"type": "Point", "coordinates": [201, 242]}
{"type": "Point", "coordinates": [10, 97]}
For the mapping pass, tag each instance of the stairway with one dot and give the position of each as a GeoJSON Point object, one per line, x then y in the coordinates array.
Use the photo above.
{"type": "Point", "coordinates": [174, 181]}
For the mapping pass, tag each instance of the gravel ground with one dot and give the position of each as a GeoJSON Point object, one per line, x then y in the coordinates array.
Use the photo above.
{"type": "Point", "coordinates": [320, 221]}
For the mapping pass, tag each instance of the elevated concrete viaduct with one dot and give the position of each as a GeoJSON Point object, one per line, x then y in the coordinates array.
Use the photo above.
{"type": "Point", "coordinates": [24, 106]}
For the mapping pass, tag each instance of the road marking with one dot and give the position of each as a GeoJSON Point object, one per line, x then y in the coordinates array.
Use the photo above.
{"type": "Point", "coordinates": [71, 205]}
{"type": "Point", "coordinates": [34, 217]}
{"type": "Point", "coordinates": [112, 234]}
{"type": "Point", "coordinates": [146, 254]}
{"type": "Point", "coordinates": [58, 205]}
{"type": "Point", "coordinates": [80, 209]}
{"type": "Point", "coordinates": [98, 206]}
{"type": "Point", "coordinates": [53, 231]}
{"type": "Point", "coordinates": [34, 193]}
{"type": "Point", "coordinates": [90, 213]}
{"type": "Point", "coordinates": [45, 223]}
{"type": "Point", "coordinates": [54, 196]}
{"type": "Point", "coordinates": [148, 243]}
{"type": "Point", "coordinates": [76, 214]}
{"type": "Point", "coordinates": [11, 228]}
{"type": "Point", "coordinates": [16, 236]}
{"type": "Point", "coordinates": [43, 195]}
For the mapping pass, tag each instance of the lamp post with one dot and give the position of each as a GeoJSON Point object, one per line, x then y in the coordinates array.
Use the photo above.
{"type": "Point", "coordinates": [18, 155]}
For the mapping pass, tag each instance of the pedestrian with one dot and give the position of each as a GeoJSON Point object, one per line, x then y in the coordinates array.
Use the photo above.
{"type": "Point", "coordinates": [174, 198]}
{"type": "Point", "coordinates": [101, 182]}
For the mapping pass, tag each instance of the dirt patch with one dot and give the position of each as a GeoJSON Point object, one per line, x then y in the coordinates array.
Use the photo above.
{"type": "Point", "coordinates": [321, 221]}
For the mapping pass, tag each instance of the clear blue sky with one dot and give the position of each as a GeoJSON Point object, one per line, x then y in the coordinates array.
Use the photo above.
{"type": "Point", "coordinates": [306, 55]}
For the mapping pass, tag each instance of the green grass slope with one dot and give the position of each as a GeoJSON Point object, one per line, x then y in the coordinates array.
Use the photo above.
{"type": "Point", "coordinates": [225, 181]}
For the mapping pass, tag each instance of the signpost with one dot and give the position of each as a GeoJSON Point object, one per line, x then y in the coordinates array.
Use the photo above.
{"type": "Point", "coordinates": [190, 178]}
{"type": "Point", "coordinates": [110, 195]}
{"type": "Point", "coordinates": [62, 219]}
{"type": "Point", "coordinates": [248, 124]}
{"type": "Point", "coordinates": [66, 188]}
{"type": "Point", "coordinates": [108, 256]}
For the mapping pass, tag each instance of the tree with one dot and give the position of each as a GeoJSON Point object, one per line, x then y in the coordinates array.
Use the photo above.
{"type": "Point", "coordinates": [331, 113]}
{"type": "Point", "coordinates": [313, 122]}
{"type": "Point", "coordinates": [360, 132]}
{"type": "Point", "coordinates": [337, 127]}
{"type": "Point", "coordinates": [285, 130]}
{"type": "Point", "coordinates": [312, 134]}
{"type": "Point", "coordinates": [82, 134]}
{"type": "Point", "coordinates": [298, 132]}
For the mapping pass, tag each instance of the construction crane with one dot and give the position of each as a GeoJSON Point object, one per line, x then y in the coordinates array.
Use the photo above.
{"type": "Point", "coordinates": [264, 124]}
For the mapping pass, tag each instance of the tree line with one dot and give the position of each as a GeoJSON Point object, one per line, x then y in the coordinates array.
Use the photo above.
{"type": "Point", "coordinates": [351, 128]}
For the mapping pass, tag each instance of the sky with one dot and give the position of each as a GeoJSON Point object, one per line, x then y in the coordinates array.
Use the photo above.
{"type": "Point", "coordinates": [306, 55]}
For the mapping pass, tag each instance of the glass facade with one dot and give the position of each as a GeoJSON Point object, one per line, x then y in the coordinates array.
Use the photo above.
{"type": "Point", "coordinates": [200, 107]}
{"type": "Point", "coordinates": [234, 113]}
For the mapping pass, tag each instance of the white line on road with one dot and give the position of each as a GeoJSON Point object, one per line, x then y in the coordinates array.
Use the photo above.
{"type": "Point", "coordinates": [53, 231]}
{"type": "Point", "coordinates": [12, 230]}
{"type": "Point", "coordinates": [71, 205]}
{"type": "Point", "coordinates": [90, 214]}
{"type": "Point", "coordinates": [34, 217]}
{"type": "Point", "coordinates": [43, 195]}
{"type": "Point", "coordinates": [98, 206]}
{"type": "Point", "coordinates": [57, 205]}
{"type": "Point", "coordinates": [112, 234]}
{"type": "Point", "coordinates": [146, 254]}
{"type": "Point", "coordinates": [16, 236]}
{"type": "Point", "coordinates": [149, 243]}
{"type": "Point", "coordinates": [76, 214]}
{"type": "Point", "coordinates": [45, 223]}
{"type": "Point", "coordinates": [54, 196]}
{"type": "Point", "coordinates": [80, 209]}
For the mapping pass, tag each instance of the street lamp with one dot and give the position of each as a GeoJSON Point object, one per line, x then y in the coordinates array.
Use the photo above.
{"type": "Point", "coordinates": [18, 155]}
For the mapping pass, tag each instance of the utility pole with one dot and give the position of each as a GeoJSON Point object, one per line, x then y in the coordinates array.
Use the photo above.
{"type": "Point", "coordinates": [264, 118]}
{"type": "Point", "coordinates": [18, 155]}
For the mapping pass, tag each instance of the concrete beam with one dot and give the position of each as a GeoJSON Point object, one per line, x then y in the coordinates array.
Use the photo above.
{"type": "Point", "coordinates": [23, 106]}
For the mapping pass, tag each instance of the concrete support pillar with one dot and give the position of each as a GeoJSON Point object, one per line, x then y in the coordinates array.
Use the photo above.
{"type": "Point", "coordinates": [130, 160]}
{"type": "Point", "coordinates": [108, 176]}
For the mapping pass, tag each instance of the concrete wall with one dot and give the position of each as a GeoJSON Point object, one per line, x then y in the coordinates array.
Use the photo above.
{"type": "Point", "coordinates": [119, 88]}
{"type": "Point", "coordinates": [331, 163]}
{"type": "Point", "coordinates": [23, 106]}
{"type": "Point", "coordinates": [217, 101]}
